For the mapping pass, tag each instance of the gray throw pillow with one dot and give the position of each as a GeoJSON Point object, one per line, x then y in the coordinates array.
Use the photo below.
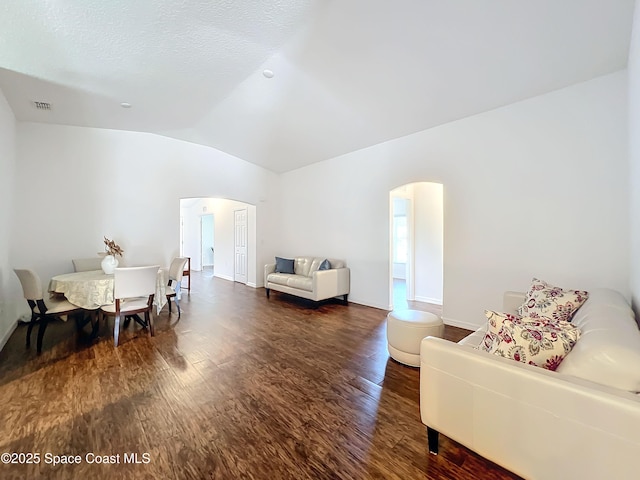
{"type": "Point", "coordinates": [284, 265]}
{"type": "Point", "coordinates": [325, 265]}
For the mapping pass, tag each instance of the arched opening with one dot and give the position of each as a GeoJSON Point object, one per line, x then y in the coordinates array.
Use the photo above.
{"type": "Point", "coordinates": [219, 236]}
{"type": "Point", "coordinates": [416, 240]}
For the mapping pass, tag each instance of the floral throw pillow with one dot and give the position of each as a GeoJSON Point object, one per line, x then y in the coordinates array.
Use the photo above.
{"type": "Point", "coordinates": [554, 303]}
{"type": "Point", "coordinates": [494, 323]}
{"type": "Point", "coordinates": [536, 341]}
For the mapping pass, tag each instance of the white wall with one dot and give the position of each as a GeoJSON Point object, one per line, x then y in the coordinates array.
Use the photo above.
{"type": "Point", "coordinates": [534, 188]}
{"type": "Point", "coordinates": [10, 290]}
{"type": "Point", "coordinates": [634, 156]}
{"type": "Point", "coordinates": [74, 185]}
{"type": "Point", "coordinates": [428, 244]}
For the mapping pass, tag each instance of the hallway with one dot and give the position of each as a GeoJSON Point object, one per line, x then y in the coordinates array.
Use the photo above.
{"type": "Point", "coordinates": [400, 301]}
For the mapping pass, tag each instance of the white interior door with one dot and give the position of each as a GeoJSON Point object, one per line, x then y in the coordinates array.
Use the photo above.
{"type": "Point", "coordinates": [240, 241]}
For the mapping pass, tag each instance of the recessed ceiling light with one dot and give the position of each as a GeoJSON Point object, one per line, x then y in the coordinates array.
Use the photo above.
{"type": "Point", "coordinates": [268, 73]}
{"type": "Point", "coordinates": [125, 105]}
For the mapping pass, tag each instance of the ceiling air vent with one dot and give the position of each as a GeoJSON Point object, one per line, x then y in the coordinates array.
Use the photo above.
{"type": "Point", "coordinates": [42, 105]}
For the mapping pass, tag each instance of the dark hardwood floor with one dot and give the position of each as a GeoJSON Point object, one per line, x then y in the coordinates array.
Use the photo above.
{"type": "Point", "coordinates": [241, 387]}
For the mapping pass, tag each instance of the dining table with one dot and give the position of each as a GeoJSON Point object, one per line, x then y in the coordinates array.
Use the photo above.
{"type": "Point", "coordinates": [93, 289]}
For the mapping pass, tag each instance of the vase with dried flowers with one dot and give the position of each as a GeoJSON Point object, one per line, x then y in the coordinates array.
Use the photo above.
{"type": "Point", "coordinates": [110, 262]}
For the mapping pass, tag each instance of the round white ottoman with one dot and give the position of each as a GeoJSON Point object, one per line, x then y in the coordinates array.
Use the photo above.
{"type": "Point", "coordinates": [405, 331]}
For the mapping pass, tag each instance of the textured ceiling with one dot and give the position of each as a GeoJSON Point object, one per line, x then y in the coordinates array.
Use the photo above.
{"type": "Point", "coordinates": [348, 73]}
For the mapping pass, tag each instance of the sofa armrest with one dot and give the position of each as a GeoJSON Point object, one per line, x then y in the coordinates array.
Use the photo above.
{"type": "Point", "coordinates": [330, 283]}
{"type": "Point", "coordinates": [535, 423]}
{"type": "Point", "coordinates": [268, 269]}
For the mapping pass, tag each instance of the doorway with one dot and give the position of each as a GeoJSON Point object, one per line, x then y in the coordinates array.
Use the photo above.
{"type": "Point", "coordinates": [416, 239]}
{"type": "Point", "coordinates": [402, 251]}
{"type": "Point", "coordinates": [207, 236]}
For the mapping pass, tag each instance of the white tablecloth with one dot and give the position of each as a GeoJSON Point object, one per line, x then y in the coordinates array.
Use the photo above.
{"type": "Point", "coordinates": [94, 288]}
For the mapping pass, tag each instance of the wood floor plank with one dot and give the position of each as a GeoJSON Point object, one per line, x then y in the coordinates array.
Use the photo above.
{"type": "Point", "coordinates": [240, 387]}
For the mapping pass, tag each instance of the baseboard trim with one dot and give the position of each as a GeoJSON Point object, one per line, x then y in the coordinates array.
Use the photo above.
{"type": "Point", "coordinates": [8, 334]}
{"type": "Point", "coordinates": [224, 277]}
{"type": "Point", "coordinates": [366, 304]}
{"type": "Point", "coordinates": [435, 301]}
{"type": "Point", "coordinates": [458, 323]}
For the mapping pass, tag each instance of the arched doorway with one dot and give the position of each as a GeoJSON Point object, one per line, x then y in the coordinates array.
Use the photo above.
{"type": "Point", "coordinates": [416, 239]}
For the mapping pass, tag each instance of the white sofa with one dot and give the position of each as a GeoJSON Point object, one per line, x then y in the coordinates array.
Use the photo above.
{"type": "Point", "coordinates": [581, 421]}
{"type": "Point", "coordinates": [308, 281]}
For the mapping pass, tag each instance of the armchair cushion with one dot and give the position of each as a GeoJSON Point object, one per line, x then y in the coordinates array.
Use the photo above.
{"type": "Point", "coordinates": [127, 305]}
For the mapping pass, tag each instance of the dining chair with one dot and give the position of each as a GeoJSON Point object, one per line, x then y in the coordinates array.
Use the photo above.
{"type": "Point", "coordinates": [133, 292]}
{"type": "Point", "coordinates": [86, 264]}
{"type": "Point", "coordinates": [176, 270]}
{"type": "Point", "coordinates": [41, 312]}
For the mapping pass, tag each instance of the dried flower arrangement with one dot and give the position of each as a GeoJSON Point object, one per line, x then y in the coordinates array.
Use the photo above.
{"type": "Point", "coordinates": [112, 248]}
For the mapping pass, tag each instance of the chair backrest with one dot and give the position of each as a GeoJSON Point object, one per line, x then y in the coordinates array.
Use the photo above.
{"type": "Point", "coordinates": [31, 285]}
{"type": "Point", "coordinates": [86, 264]}
{"type": "Point", "coordinates": [176, 269]}
{"type": "Point", "coordinates": [132, 282]}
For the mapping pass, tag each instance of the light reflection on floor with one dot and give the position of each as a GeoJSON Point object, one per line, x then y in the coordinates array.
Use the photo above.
{"type": "Point", "coordinates": [399, 294]}
{"type": "Point", "coordinates": [400, 301]}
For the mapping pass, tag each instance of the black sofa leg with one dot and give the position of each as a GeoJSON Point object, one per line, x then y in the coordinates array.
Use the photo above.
{"type": "Point", "coordinates": [432, 439]}
{"type": "Point", "coordinates": [345, 301]}
{"type": "Point", "coordinates": [268, 290]}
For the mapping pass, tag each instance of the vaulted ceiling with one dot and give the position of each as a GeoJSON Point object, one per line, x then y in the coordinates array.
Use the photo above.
{"type": "Point", "coordinates": [347, 74]}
